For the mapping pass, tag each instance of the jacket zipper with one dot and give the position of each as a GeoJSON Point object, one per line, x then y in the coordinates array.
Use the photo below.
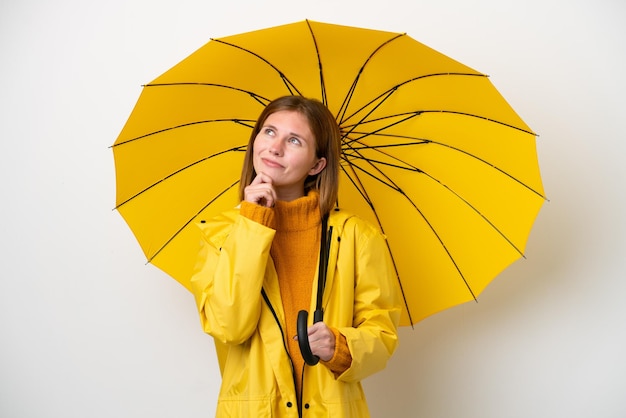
{"type": "Point", "coordinates": [324, 258]}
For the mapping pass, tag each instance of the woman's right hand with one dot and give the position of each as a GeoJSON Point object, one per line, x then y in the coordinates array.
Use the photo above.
{"type": "Point", "coordinates": [261, 191]}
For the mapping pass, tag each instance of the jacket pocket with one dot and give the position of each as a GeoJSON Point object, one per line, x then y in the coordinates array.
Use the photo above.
{"type": "Point", "coordinates": [238, 408]}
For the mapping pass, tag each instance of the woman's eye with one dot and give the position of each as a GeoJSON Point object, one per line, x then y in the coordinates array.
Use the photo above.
{"type": "Point", "coordinates": [269, 131]}
{"type": "Point", "coordinates": [294, 140]}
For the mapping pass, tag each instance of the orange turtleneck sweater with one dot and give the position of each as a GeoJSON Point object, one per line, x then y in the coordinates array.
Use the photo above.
{"type": "Point", "coordinates": [295, 251]}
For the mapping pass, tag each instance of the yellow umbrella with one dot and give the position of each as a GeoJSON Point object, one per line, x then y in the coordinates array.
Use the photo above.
{"type": "Point", "coordinates": [431, 152]}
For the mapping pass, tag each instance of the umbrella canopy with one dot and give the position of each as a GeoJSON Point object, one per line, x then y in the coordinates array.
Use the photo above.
{"type": "Point", "coordinates": [431, 152]}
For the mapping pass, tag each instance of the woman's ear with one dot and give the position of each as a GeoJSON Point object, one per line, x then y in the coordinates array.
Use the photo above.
{"type": "Point", "coordinates": [318, 167]}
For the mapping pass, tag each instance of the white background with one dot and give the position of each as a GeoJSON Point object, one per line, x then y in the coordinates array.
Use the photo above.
{"type": "Point", "coordinates": [89, 330]}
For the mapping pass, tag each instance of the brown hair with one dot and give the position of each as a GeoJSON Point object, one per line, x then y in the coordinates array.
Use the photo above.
{"type": "Point", "coordinates": [327, 144]}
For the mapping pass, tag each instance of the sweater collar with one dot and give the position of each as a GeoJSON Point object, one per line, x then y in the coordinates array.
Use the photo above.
{"type": "Point", "coordinates": [299, 214]}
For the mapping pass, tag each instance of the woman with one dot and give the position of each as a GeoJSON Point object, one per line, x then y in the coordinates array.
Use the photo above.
{"type": "Point", "coordinates": [258, 266]}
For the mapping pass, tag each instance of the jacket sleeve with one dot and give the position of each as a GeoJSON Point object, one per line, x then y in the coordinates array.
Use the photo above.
{"type": "Point", "coordinates": [229, 275]}
{"type": "Point", "coordinates": [373, 337]}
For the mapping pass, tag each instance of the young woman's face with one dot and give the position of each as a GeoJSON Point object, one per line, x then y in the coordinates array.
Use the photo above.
{"type": "Point", "coordinates": [284, 150]}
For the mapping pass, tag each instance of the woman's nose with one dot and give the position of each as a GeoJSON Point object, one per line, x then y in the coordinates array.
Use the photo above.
{"type": "Point", "coordinates": [276, 148]}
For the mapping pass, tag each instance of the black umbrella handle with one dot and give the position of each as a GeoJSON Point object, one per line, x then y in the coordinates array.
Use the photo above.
{"type": "Point", "coordinates": [318, 316]}
{"type": "Point", "coordinates": [303, 337]}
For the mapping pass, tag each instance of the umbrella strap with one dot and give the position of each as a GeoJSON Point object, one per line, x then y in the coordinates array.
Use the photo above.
{"type": "Point", "coordinates": [323, 267]}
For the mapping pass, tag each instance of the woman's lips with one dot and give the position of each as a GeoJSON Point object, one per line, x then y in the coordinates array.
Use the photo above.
{"type": "Point", "coordinates": [271, 163]}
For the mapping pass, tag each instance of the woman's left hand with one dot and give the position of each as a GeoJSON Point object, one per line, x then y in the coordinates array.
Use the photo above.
{"type": "Point", "coordinates": [321, 341]}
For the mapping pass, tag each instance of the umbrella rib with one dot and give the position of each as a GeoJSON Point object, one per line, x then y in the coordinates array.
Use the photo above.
{"type": "Point", "coordinates": [362, 191]}
{"type": "Point", "coordinates": [262, 100]}
{"type": "Point", "coordinates": [432, 228]}
{"type": "Point", "coordinates": [397, 86]}
{"type": "Point", "coordinates": [381, 98]}
{"type": "Point", "coordinates": [408, 116]}
{"type": "Point", "coordinates": [344, 106]}
{"type": "Point", "coordinates": [189, 221]}
{"type": "Point", "coordinates": [410, 167]}
{"type": "Point", "coordinates": [352, 127]}
{"type": "Point", "coordinates": [319, 63]}
{"type": "Point", "coordinates": [420, 112]}
{"type": "Point", "coordinates": [448, 188]}
{"type": "Point", "coordinates": [422, 141]}
{"type": "Point", "coordinates": [482, 160]}
{"type": "Point", "coordinates": [169, 176]}
{"type": "Point", "coordinates": [288, 84]}
{"type": "Point", "coordinates": [244, 122]}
